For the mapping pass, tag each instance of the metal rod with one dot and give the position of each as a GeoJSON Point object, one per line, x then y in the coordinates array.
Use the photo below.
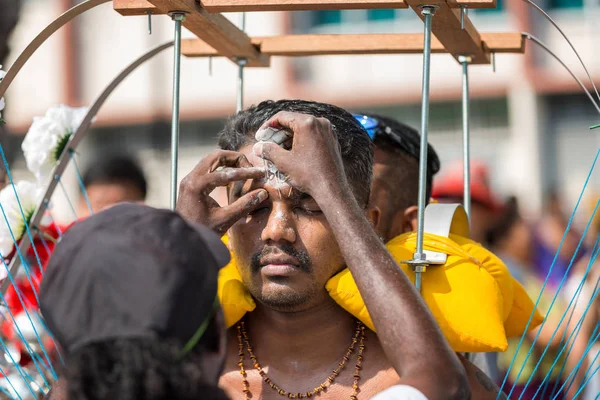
{"type": "Point", "coordinates": [463, 10]}
{"type": "Point", "coordinates": [64, 159]}
{"type": "Point", "coordinates": [427, 12]}
{"type": "Point", "coordinates": [149, 22]}
{"type": "Point", "coordinates": [241, 64]}
{"type": "Point", "coordinates": [178, 18]}
{"type": "Point", "coordinates": [240, 84]}
{"type": "Point", "coordinates": [465, 61]}
{"type": "Point", "coordinates": [210, 61]}
{"type": "Point", "coordinates": [493, 61]}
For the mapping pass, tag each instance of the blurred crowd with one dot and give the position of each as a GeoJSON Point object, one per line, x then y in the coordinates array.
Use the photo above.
{"type": "Point", "coordinates": [557, 266]}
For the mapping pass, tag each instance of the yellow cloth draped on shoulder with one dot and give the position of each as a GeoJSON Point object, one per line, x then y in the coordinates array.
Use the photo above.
{"type": "Point", "coordinates": [473, 297]}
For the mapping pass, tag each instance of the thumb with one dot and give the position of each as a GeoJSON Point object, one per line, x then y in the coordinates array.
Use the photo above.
{"type": "Point", "coordinates": [272, 152]}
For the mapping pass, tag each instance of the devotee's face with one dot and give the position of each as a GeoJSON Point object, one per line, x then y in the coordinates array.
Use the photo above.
{"type": "Point", "coordinates": [285, 250]}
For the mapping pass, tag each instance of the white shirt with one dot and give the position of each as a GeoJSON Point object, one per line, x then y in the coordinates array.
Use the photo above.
{"type": "Point", "coordinates": [400, 392]}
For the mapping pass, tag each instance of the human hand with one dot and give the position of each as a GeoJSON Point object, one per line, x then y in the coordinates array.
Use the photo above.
{"type": "Point", "coordinates": [219, 168]}
{"type": "Point", "coordinates": [314, 161]}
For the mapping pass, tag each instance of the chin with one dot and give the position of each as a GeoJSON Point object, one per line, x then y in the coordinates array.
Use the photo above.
{"type": "Point", "coordinates": [283, 298]}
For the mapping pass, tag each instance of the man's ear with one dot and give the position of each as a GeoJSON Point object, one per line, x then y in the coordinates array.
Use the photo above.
{"type": "Point", "coordinates": [410, 219]}
{"type": "Point", "coordinates": [373, 215]}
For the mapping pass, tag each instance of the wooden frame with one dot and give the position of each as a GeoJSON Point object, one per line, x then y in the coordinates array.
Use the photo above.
{"type": "Point", "coordinates": [219, 37]}
{"type": "Point", "coordinates": [315, 45]}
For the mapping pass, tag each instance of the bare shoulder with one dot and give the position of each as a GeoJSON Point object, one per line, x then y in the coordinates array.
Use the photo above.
{"type": "Point", "coordinates": [482, 387]}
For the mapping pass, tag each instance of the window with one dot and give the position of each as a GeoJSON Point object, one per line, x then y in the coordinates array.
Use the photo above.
{"type": "Point", "coordinates": [381, 14]}
{"type": "Point", "coordinates": [329, 17]}
{"type": "Point", "coordinates": [566, 4]}
{"type": "Point", "coordinates": [499, 8]}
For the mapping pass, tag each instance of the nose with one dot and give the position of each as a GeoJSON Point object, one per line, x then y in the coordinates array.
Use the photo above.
{"type": "Point", "coordinates": [280, 225]}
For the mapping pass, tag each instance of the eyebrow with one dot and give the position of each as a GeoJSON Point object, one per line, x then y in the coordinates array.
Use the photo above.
{"type": "Point", "coordinates": [237, 191]}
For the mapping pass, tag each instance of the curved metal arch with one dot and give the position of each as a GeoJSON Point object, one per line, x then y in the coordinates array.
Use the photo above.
{"type": "Point", "coordinates": [41, 38]}
{"type": "Point", "coordinates": [71, 146]}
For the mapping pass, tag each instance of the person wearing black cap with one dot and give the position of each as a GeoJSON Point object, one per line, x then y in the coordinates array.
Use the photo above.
{"type": "Point", "coordinates": [130, 294]}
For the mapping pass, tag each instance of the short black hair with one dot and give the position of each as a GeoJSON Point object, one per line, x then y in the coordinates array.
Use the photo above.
{"type": "Point", "coordinates": [116, 169]}
{"type": "Point", "coordinates": [355, 144]}
{"type": "Point", "coordinates": [408, 155]}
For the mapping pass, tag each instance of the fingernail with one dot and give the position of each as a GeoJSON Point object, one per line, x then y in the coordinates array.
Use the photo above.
{"type": "Point", "coordinates": [257, 149]}
{"type": "Point", "coordinates": [262, 195]}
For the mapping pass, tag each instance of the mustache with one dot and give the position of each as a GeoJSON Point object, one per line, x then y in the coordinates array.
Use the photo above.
{"type": "Point", "coordinates": [305, 263]}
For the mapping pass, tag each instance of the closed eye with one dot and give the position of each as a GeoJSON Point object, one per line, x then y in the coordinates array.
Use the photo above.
{"type": "Point", "coordinates": [260, 210]}
{"type": "Point", "coordinates": [307, 211]}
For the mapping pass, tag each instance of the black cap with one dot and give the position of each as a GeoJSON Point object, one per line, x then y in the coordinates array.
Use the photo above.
{"type": "Point", "coordinates": [131, 271]}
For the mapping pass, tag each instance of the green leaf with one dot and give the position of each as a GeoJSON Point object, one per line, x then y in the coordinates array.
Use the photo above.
{"type": "Point", "coordinates": [595, 126]}
{"type": "Point", "coordinates": [60, 147]}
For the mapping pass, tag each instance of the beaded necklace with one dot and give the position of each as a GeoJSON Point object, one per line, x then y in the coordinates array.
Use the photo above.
{"type": "Point", "coordinates": [359, 337]}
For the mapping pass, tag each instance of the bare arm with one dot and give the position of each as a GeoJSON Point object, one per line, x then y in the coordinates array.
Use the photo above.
{"type": "Point", "coordinates": [409, 335]}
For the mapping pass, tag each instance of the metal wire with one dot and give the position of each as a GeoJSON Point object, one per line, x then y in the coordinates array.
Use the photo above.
{"type": "Point", "coordinates": [178, 18]}
{"type": "Point", "coordinates": [537, 302]}
{"type": "Point", "coordinates": [572, 335]}
{"type": "Point", "coordinates": [66, 194]}
{"type": "Point", "coordinates": [595, 252]}
{"type": "Point", "coordinates": [465, 61]}
{"type": "Point", "coordinates": [538, 8]}
{"type": "Point", "coordinates": [427, 12]}
{"type": "Point", "coordinates": [17, 291]}
{"type": "Point", "coordinates": [81, 184]}
{"type": "Point", "coordinates": [241, 62]}
{"type": "Point", "coordinates": [25, 222]}
{"type": "Point", "coordinates": [560, 286]}
{"type": "Point", "coordinates": [537, 41]}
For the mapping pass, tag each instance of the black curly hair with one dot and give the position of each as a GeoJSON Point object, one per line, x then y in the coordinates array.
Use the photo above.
{"type": "Point", "coordinates": [138, 369]}
{"type": "Point", "coordinates": [355, 144]}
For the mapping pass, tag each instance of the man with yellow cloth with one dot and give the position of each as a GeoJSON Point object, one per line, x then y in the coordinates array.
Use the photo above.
{"type": "Point", "coordinates": [308, 265]}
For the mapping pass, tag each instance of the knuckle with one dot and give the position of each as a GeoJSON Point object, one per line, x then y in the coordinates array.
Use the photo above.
{"type": "Point", "coordinates": [310, 121]}
{"type": "Point", "coordinates": [186, 184]}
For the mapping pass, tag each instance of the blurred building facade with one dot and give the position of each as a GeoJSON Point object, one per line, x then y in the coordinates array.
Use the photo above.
{"type": "Point", "coordinates": [529, 119]}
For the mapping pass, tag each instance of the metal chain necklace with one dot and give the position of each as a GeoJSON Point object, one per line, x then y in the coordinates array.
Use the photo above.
{"type": "Point", "coordinates": [359, 337]}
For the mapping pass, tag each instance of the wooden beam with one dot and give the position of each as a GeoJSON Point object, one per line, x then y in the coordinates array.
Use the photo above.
{"type": "Point", "coordinates": [513, 42]}
{"type": "Point", "coordinates": [135, 7]}
{"type": "Point", "coordinates": [216, 30]}
{"type": "Point", "coordinates": [313, 45]}
{"type": "Point", "coordinates": [447, 29]}
{"type": "Point", "coordinates": [298, 5]}
{"type": "Point", "coordinates": [141, 7]}
{"type": "Point", "coordinates": [304, 5]}
{"type": "Point", "coordinates": [472, 3]}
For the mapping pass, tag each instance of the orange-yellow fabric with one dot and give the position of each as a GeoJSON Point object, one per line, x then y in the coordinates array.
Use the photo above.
{"type": "Point", "coordinates": [472, 296]}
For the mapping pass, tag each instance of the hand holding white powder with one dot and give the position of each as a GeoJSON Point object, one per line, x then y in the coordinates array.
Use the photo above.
{"type": "Point", "coordinates": [282, 138]}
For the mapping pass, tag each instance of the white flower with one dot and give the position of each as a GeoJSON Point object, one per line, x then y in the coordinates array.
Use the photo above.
{"type": "Point", "coordinates": [2, 104]}
{"type": "Point", "coordinates": [47, 138]}
{"type": "Point", "coordinates": [30, 196]}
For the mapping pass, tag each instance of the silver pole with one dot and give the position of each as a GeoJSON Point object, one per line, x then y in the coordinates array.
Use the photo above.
{"type": "Point", "coordinates": [419, 256]}
{"type": "Point", "coordinates": [465, 61]}
{"type": "Point", "coordinates": [240, 84]}
{"type": "Point", "coordinates": [149, 22]}
{"type": "Point", "coordinates": [241, 64]}
{"type": "Point", "coordinates": [178, 18]}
